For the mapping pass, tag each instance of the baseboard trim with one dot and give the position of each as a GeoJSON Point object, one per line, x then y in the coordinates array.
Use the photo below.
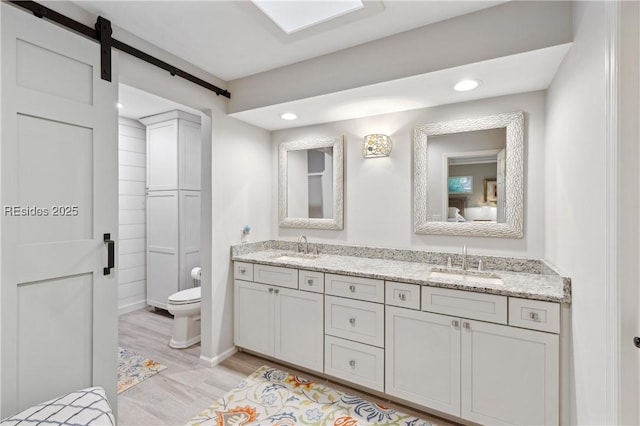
{"type": "Point", "coordinates": [132, 307]}
{"type": "Point", "coordinates": [212, 362]}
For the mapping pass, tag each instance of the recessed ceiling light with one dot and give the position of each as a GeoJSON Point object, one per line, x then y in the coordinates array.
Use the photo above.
{"type": "Point", "coordinates": [119, 105]}
{"type": "Point", "coordinates": [465, 85]}
{"type": "Point", "coordinates": [292, 16]}
{"type": "Point", "coordinates": [288, 116]}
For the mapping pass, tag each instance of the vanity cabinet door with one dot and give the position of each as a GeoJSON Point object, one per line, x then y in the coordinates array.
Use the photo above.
{"type": "Point", "coordinates": [422, 358]}
{"type": "Point", "coordinates": [254, 328]}
{"type": "Point", "coordinates": [299, 328]}
{"type": "Point", "coordinates": [509, 375]}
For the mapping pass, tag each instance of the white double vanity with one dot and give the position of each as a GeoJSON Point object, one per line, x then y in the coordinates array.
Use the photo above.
{"type": "Point", "coordinates": [476, 339]}
{"type": "Point", "coordinates": [480, 349]}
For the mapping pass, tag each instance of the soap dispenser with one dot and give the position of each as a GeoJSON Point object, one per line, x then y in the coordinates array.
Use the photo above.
{"type": "Point", "coordinates": [244, 238]}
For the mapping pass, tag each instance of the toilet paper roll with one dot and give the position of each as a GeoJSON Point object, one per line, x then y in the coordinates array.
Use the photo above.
{"type": "Point", "coordinates": [196, 273]}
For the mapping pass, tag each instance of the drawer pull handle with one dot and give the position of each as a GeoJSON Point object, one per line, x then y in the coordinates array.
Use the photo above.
{"type": "Point", "coordinates": [534, 316]}
{"type": "Point", "coordinates": [243, 270]}
{"type": "Point", "coordinates": [310, 281]}
{"type": "Point", "coordinates": [277, 291]}
{"type": "Point", "coordinates": [466, 325]}
{"type": "Point", "coordinates": [455, 323]}
{"type": "Point", "coordinates": [270, 290]}
{"type": "Point", "coordinates": [352, 321]}
{"type": "Point", "coordinates": [352, 288]}
{"type": "Point", "coordinates": [402, 296]}
{"type": "Point", "coordinates": [352, 363]}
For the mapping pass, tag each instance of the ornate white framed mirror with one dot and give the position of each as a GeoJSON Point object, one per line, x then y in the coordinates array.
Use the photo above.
{"type": "Point", "coordinates": [469, 177]}
{"type": "Point", "coordinates": [310, 183]}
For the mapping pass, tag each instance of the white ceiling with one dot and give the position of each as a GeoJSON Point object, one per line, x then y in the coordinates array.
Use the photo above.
{"type": "Point", "coordinates": [137, 104]}
{"type": "Point", "coordinates": [534, 71]}
{"type": "Point", "coordinates": [233, 39]}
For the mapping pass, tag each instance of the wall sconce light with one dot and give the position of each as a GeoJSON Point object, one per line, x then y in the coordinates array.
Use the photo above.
{"type": "Point", "coordinates": [376, 145]}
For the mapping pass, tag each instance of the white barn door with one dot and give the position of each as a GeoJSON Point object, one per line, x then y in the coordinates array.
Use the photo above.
{"type": "Point", "coordinates": [59, 196]}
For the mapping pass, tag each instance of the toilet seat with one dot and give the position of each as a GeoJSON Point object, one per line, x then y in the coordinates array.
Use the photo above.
{"type": "Point", "coordinates": [191, 295]}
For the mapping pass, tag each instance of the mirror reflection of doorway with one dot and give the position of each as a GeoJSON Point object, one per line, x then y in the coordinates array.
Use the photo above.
{"type": "Point", "coordinates": [310, 190]}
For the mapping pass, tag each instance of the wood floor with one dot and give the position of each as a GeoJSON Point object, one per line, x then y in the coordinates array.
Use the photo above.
{"type": "Point", "coordinates": [177, 394]}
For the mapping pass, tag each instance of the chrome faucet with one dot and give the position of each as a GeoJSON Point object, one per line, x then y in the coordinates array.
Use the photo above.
{"type": "Point", "coordinates": [464, 257]}
{"type": "Point", "coordinates": [306, 244]}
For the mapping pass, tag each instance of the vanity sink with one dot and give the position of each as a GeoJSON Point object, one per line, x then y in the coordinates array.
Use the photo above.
{"type": "Point", "coordinates": [295, 256]}
{"type": "Point", "coordinates": [468, 276]}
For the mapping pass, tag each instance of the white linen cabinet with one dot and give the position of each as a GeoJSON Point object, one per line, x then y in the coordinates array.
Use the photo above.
{"type": "Point", "coordinates": [173, 203]}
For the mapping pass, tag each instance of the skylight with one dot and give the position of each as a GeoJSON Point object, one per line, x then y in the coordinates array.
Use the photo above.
{"type": "Point", "coordinates": [292, 16]}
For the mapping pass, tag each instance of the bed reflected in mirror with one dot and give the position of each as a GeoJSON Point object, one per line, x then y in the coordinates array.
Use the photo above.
{"type": "Point", "coordinates": [471, 178]}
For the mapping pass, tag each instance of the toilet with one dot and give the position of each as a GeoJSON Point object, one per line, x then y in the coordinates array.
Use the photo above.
{"type": "Point", "coordinates": [185, 308]}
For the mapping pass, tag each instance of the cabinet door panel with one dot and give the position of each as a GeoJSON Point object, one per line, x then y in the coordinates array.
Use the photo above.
{"type": "Point", "coordinates": [254, 317]}
{"type": "Point", "coordinates": [275, 275]}
{"type": "Point", "coordinates": [189, 236]}
{"type": "Point", "coordinates": [355, 362]}
{"type": "Point", "coordinates": [162, 152]}
{"type": "Point", "coordinates": [509, 375]}
{"type": "Point", "coordinates": [311, 281]}
{"type": "Point", "coordinates": [466, 304]}
{"type": "Point", "coordinates": [422, 354]}
{"type": "Point", "coordinates": [355, 320]}
{"type": "Point", "coordinates": [243, 271]}
{"type": "Point", "coordinates": [299, 328]}
{"type": "Point", "coordinates": [359, 288]}
{"type": "Point", "coordinates": [163, 274]}
{"type": "Point", "coordinates": [190, 147]}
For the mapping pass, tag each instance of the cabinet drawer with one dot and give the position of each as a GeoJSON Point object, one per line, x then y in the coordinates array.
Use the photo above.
{"type": "Point", "coordinates": [354, 362]}
{"type": "Point", "coordinates": [403, 295]}
{"type": "Point", "coordinates": [275, 275]}
{"type": "Point", "coordinates": [243, 271]}
{"type": "Point", "coordinates": [534, 314]}
{"type": "Point", "coordinates": [466, 304]}
{"type": "Point", "coordinates": [311, 281]}
{"type": "Point", "coordinates": [354, 320]}
{"type": "Point", "coordinates": [354, 287]}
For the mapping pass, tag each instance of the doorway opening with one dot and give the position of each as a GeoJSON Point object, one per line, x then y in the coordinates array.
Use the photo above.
{"type": "Point", "coordinates": [160, 148]}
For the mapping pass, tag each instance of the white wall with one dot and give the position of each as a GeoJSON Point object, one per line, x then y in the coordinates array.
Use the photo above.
{"type": "Point", "coordinates": [596, 243]}
{"type": "Point", "coordinates": [378, 191]}
{"type": "Point", "coordinates": [241, 196]}
{"type": "Point", "coordinates": [629, 193]}
{"type": "Point", "coordinates": [575, 208]}
{"type": "Point", "coordinates": [132, 182]}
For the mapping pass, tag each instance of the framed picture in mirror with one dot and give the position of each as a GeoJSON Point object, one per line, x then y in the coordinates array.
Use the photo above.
{"type": "Point", "coordinates": [490, 191]}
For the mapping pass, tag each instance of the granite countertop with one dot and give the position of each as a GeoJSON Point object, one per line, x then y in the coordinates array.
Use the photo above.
{"type": "Point", "coordinates": [549, 287]}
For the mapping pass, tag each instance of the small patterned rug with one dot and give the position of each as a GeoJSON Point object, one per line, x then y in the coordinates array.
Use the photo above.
{"type": "Point", "coordinates": [277, 398]}
{"type": "Point", "coordinates": [133, 369]}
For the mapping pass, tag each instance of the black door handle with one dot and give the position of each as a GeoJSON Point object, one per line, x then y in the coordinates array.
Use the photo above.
{"type": "Point", "coordinates": [111, 253]}
{"type": "Point", "coordinates": [636, 341]}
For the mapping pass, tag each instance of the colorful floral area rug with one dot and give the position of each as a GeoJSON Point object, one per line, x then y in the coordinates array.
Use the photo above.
{"type": "Point", "coordinates": [277, 398]}
{"type": "Point", "coordinates": [133, 369]}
